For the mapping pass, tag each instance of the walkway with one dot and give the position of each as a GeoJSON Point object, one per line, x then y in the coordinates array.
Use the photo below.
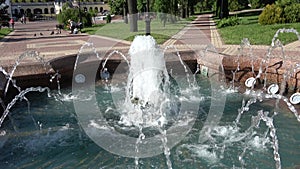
{"type": "Point", "coordinates": [36, 36]}
{"type": "Point", "coordinates": [203, 32]}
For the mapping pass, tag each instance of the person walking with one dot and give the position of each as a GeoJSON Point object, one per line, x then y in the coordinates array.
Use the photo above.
{"type": "Point", "coordinates": [72, 26]}
{"type": "Point", "coordinates": [24, 19]}
{"type": "Point", "coordinates": [12, 23]}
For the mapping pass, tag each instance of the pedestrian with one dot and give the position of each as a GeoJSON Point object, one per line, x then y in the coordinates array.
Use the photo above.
{"type": "Point", "coordinates": [24, 19]}
{"type": "Point", "coordinates": [59, 27]}
{"type": "Point", "coordinates": [12, 23]}
{"type": "Point", "coordinates": [72, 26]}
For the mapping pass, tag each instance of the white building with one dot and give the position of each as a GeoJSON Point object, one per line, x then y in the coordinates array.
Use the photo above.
{"type": "Point", "coordinates": [52, 7]}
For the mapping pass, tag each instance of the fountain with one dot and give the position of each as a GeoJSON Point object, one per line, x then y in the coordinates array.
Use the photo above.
{"type": "Point", "coordinates": [150, 102]}
{"type": "Point", "coordinates": [152, 111]}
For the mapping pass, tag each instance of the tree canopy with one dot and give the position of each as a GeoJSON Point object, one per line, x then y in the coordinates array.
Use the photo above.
{"type": "Point", "coordinates": [184, 8]}
{"type": "Point", "coordinates": [4, 18]}
{"type": "Point", "coordinates": [73, 14]}
{"type": "Point", "coordinates": [117, 6]}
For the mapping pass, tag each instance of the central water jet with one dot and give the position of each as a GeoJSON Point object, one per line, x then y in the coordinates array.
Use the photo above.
{"type": "Point", "coordinates": [147, 85]}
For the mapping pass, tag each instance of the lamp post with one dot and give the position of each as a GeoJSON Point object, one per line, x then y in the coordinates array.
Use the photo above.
{"type": "Point", "coordinates": [19, 11]}
{"type": "Point", "coordinates": [8, 2]}
{"type": "Point", "coordinates": [222, 10]}
{"type": "Point", "coordinates": [80, 17]}
{"type": "Point", "coordinates": [125, 11]}
{"type": "Point", "coordinates": [50, 12]}
{"type": "Point", "coordinates": [147, 19]}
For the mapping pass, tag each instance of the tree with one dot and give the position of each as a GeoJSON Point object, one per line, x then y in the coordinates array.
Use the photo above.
{"type": "Point", "coordinates": [187, 7]}
{"type": "Point", "coordinates": [222, 10]}
{"type": "Point", "coordinates": [93, 13]}
{"type": "Point", "coordinates": [191, 6]}
{"type": "Point", "coordinates": [205, 5]}
{"type": "Point", "coordinates": [184, 8]}
{"type": "Point", "coordinates": [4, 18]}
{"type": "Point", "coordinates": [116, 6]}
{"type": "Point", "coordinates": [162, 6]}
{"type": "Point", "coordinates": [141, 5]}
{"type": "Point", "coordinates": [133, 15]}
{"type": "Point", "coordinates": [168, 10]}
{"type": "Point", "coordinates": [73, 14]}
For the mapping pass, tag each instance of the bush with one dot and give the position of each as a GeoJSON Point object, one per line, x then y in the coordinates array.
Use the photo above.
{"type": "Point", "coordinates": [234, 5]}
{"type": "Point", "coordinates": [73, 14]}
{"type": "Point", "coordinates": [292, 13]}
{"type": "Point", "coordinates": [204, 6]}
{"type": "Point", "coordinates": [284, 3]}
{"type": "Point", "coordinates": [108, 18]}
{"type": "Point", "coordinates": [232, 21]}
{"type": "Point", "coordinates": [271, 14]}
{"type": "Point", "coordinates": [255, 4]}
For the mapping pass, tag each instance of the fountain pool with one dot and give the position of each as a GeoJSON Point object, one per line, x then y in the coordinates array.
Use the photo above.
{"type": "Point", "coordinates": [60, 142]}
{"type": "Point", "coordinates": [152, 116]}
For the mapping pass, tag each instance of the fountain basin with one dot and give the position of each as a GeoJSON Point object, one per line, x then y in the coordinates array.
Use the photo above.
{"type": "Point", "coordinates": [58, 129]}
{"type": "Point", "coordinates": [36, 74]}
{"type": "Point", "coordinates": [53, 144]}
{"type": "Point", "coordinates": [276, 68]}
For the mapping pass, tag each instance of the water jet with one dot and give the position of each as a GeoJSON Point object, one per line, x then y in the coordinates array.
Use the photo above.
{"type": "Point", "coordinates": [152, 111]}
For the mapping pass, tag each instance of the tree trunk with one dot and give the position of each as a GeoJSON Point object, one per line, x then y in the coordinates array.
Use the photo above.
{"type": "Point", "coordinates": [187, 11]}
{"type": "Point", "coordinates": [222, 9]}
{"type": "Point", "coordinates": [225, 9]}
{"type": "Point", "coordinates": [183, 11]}
{"type": "Point", "coordinates": [125, 12]}
{"type": "Point", "coordinates": [191, 6]}
{"type": "Point", "coordinates": [218, 9]}
{"type": "Point", "coordinates": [133, 15]}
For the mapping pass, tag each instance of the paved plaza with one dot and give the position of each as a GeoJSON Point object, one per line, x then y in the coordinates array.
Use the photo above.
{"type": "Point", "coordinates": [36, 36]}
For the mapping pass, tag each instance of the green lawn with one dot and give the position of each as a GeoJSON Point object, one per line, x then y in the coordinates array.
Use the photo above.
{"type": "Point", "coordinates": [256, 33]}
{"type": "Point", "coordinates": [4, 32]}
{"type": "Point", "coordinates": [120, 30]}
{"type": "Point", "coordinates": [248, 28]}
{"type": "Point", "coordinates": [92, 30]}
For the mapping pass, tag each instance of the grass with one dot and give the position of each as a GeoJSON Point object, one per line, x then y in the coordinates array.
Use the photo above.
{"type": "Point", "coordinates": [120, 30]}
{"type": "Point", "coordinates": [159, 38]}
{"type": "Point", "coordinates": [4, 32]}
{"type": "Point", "coordinates": [256, 33]}
{"type": "Point", "coordinates": [92, 30]}
{"type": "Point", "coordinates": [191, 18]}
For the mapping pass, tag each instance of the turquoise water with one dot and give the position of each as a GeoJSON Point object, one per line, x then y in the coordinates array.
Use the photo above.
{"type": "Point", "coordinates": [48, 136]}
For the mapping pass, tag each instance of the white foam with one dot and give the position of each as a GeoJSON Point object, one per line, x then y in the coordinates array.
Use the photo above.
{"type": "Point", "coordinates": [204, 152]}
{"type": "Point", "coordinates": [146, 69]}
{"type": "Point", "coordinates": [259, 143]}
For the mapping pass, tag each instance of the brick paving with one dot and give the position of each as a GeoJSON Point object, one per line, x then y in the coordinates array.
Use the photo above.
{"type": "Point", "coordinates": [203, 32]}
{"type": "Point", "coordinates": [194, 36]}
{"type": "Point", "coordinates": [36, 36]}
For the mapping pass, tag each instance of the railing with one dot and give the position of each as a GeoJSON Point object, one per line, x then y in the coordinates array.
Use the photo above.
{"type": "Point", "coordinates": [51, 3]}
{"type": "Point", "coordinates": [32, 4]}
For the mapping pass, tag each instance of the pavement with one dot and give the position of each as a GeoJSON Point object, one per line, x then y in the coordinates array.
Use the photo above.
{"type": "Point", "coordinates": [36, 36]}
{"type": "Point", "coordinates": [205, 25]}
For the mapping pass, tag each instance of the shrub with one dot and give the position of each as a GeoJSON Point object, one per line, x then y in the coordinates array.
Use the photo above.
{"type": "Point", "coordinates": [108, 18]}
{"type": "Point", "coordinates": [205, 6]}
{"type": "Point", "coordinates": [232, 21]}
{"type": "Point", "coordinates": [234, 5]}
{"type": "Point", "coordinates": [292, 13]}
{"type": "Point", "coordinates": [271, 14]}
{"type": "Point", "coordinates": [73, 14]}
{"type": "Point", "coordinates": [255, 4]}
{"type": "Point", "coordinates": [284, 3]}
